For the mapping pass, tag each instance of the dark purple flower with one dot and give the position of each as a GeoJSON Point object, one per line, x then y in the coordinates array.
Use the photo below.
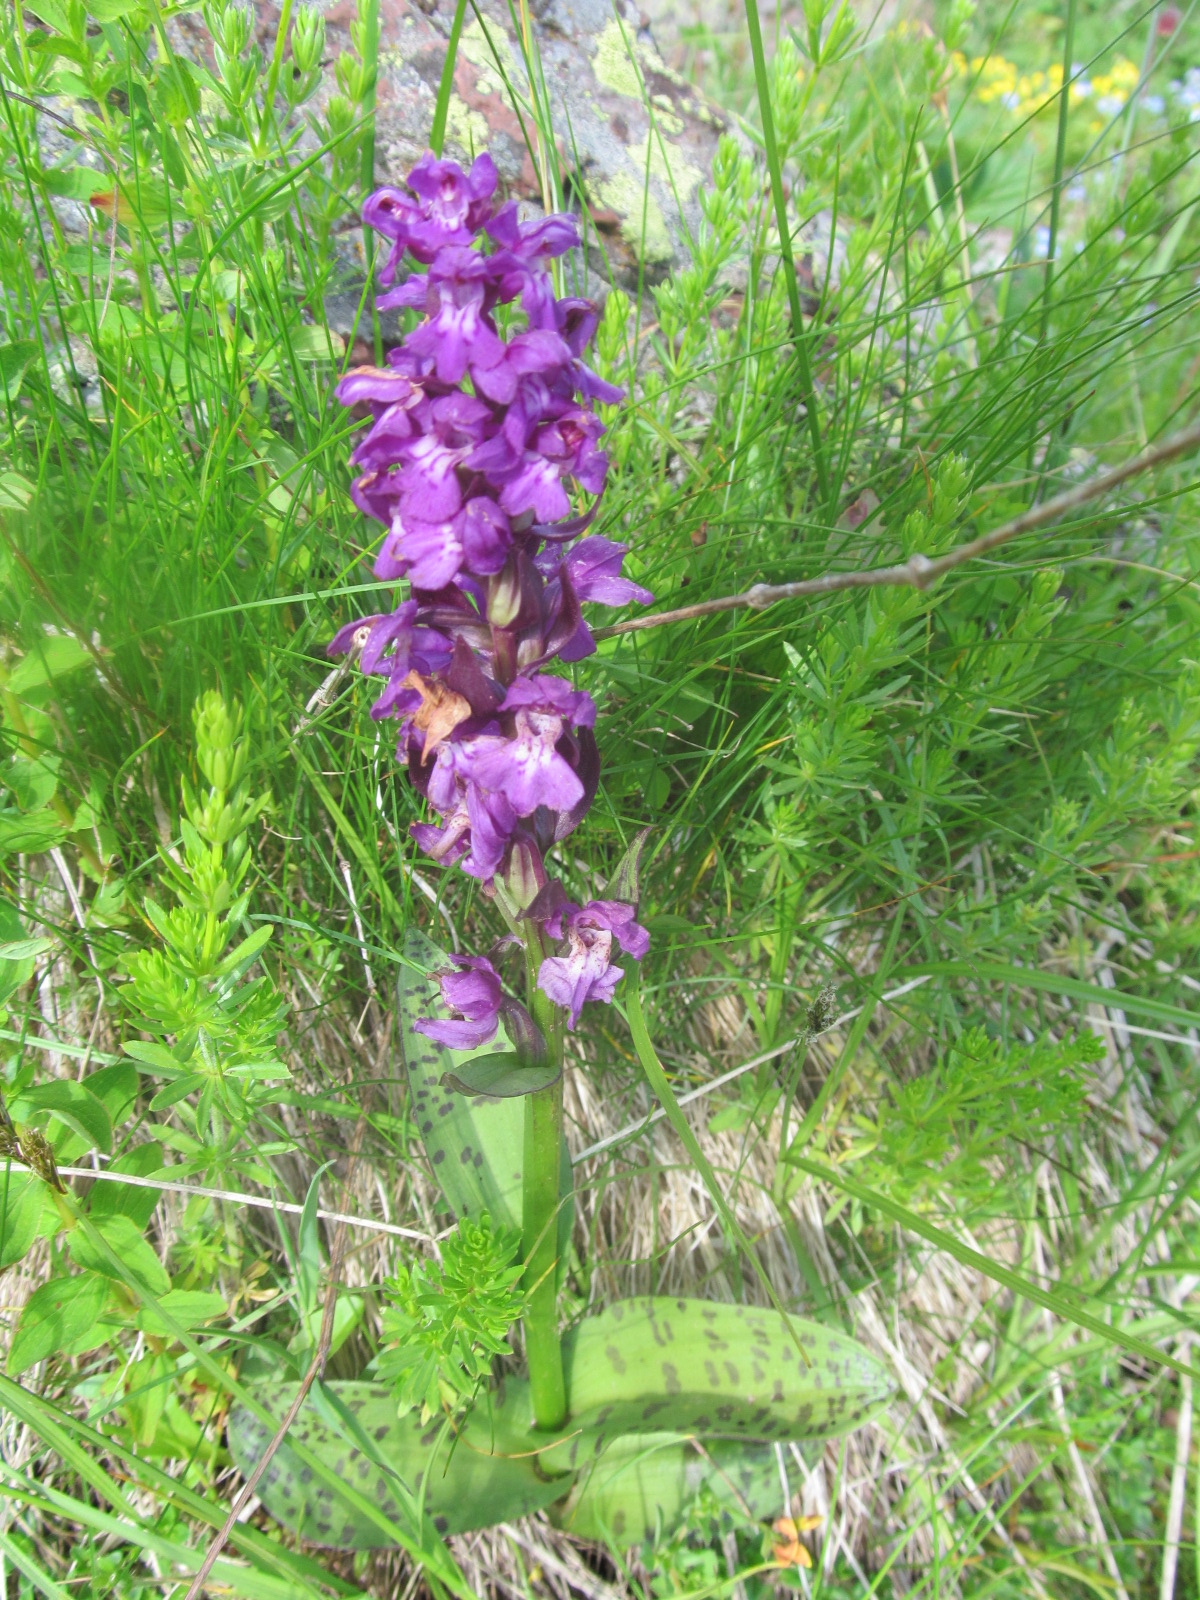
{"type": "Point", "coordinates": [594, 569]}
{"type": "Point", "coordinates": [376, 387]}
{"type": "Point", "coordinates": [469, 486]}
{"type": "Point", "coordinates": [474, 992]}
{"type": "Point", "coordinates": [613, 916]}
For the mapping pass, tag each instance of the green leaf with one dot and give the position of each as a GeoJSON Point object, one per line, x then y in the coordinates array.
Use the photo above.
{"type": "Point", "coordinates": [70, 1103]}
{"type": "Point", "coordinates": [643, 1484]}
{"type": "Point", "coordinates": [14, 359]}
{"type": "Point", "coordinates": [127, 1199]}
{"type": "Point", "coordinates": [707, 1368]}
{"type": "Point", "coordinates": [501, 1076]}
{"type": "Point", "coordinates": [15, 491]}
{"type": "Point", "coordinates": [155, 1055]}
{"type": "Point", "coordinates": [22, 835]}
{"type": "Point", "coordinates": [55, 1318]}
{"type": "Point", "coordinates": [14, 970]}
{"type": "Point", "coordinates": [124, 1239]}
{"type": "Point", "coordinates": [21, 1199]}
{"type": "Point", "coordinates": [115, 1087]}
{"type": "Point", "coordinates": [188, 1307]}
{"type": "Point", "coordinates": [489, 1477]}
{"type": "Point", "coordinates": [238, 960]}
{"type": "Point", "coordinates": [475, 1146]}
{"type": "Point", "coordinates": [316, 344]}
{"type": "Point", "coordinates": [55, 655]}
{"type": "Point", "coordinates": [24, 949]}
{"type": "Point", "coordinates": [624, 883]}
{"type": "Point", "coordinates": [112, 10]}
{"type": "Point", "coordinates": [177, 1091]}
{"type": "Point", "coordinates": [1057, 983]}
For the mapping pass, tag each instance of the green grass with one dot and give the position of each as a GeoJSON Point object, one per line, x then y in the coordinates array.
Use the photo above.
{"type": "Point", "coordinates": [989, 785]}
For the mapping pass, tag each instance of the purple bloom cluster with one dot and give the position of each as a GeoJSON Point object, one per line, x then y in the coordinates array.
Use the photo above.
{"type": "Point", "coordinates": [482, 428]}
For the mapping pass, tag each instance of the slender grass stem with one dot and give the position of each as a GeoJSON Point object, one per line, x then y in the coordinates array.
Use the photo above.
{"type": "Point", "coordinates": [1060, 157]}
{"type": "Point", "coordinates": [787, 265]}
{"type": "Point", "coordinates": [441, 110]}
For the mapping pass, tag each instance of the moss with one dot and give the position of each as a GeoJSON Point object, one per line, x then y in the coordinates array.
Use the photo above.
{"type": "Point", "coordinates": [612, 63]}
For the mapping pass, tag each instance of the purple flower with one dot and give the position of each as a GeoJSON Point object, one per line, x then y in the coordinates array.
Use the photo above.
{"type": "Point", "coordinates": [528, 768]}
{"type": "Point", "coordinates": [474, 992]}
{"type": "Point", "coordinates": [450, 208]}
{"type": "Point", "coordinates": [586, 972]}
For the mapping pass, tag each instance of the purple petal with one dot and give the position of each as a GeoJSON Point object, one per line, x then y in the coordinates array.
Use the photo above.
{"type": "Point", "coordinates": [457, 1035]}
{"type": "Point", "coordinates": [343, 640]}
{"type": "Point", "coordinates": [594, 567]}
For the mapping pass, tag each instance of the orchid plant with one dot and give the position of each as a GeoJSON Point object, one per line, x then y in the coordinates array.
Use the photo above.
{"type": "Point", "coordinates": [483, 463]}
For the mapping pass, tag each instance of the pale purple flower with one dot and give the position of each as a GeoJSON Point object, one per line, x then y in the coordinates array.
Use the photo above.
{"type": "Point", "coordinates": [473, 991]}
{"type": "Point", "coordinates": [527, 768]}
{"type": "Point", "coordinates": [586, 972]}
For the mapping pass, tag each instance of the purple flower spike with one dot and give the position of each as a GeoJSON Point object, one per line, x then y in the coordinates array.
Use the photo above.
{"type": "Point", "coordinates": [483, 462]}
{"type": "Point", "coordinates": [474, 991]}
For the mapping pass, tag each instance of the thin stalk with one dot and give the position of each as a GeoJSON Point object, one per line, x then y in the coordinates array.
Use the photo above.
{"type": "Point", "coordinates": [788, 266]}
{"type": "Point", "coordinates": [1060, 155]}
{"type": "Point", "coordinates": [543, 1142]}
{"type": "Point", "coordinates": [437, 134]}
{"type": "Point", "coordinates": [539, 1217]}
{"type": "Point", "coordinates": [370, 66]}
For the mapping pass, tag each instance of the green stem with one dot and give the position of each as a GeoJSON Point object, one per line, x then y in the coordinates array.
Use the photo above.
{"type": "Point", "coordinates": [1060, 161]}
{"type": "Point", "coordinates": [369, 15]}
{"type": "Point", "coordinates": [437, 133]}
{"type": "Point", "coordinates": [788, 265]}
{"type": "Point", "coordinates": [543, 1142]}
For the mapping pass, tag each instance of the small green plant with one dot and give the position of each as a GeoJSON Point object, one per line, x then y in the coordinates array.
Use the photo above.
{"type": "Point", "coordinates": [213, 1028]}
{"type": "Point", "coordinates": [445, 1322]}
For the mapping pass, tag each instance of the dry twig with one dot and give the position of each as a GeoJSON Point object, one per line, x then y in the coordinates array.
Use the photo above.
{"type": "Point", "coordinates": [918, 572]}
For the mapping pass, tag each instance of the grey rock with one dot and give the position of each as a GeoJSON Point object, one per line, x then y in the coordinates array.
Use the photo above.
{"type": "Point", "coordinates": [634, 139]}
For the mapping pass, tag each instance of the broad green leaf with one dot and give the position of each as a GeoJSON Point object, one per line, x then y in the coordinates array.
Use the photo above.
{"type": "Point", "coordinates": [643, 1484]}
{"type": "Point", "coordinates": [502, 1076]}
{"type": "Point", "coordinates": [124, 1239]}
{"type": "Point", "coordinates": [21, 1199]}
{"type": "Point", "coordinates": [22, 835]}
{"type": "Point", "coordinates": [127, 1199]}
{"type": "Point", "coordinates": [711, 1369]}
{"type": "Point", "coordinates": [14, 359]}
{"type": "Point", "coordinates": [316, 344]}
{"type": "Point", "coordinates": [56, 1317]}
{"type": "Point", "coordinates": [488, 1477]}
{"type": "Point", "coordinates": [54, 656]}
{"type": "Point", "coordinates": [71, 1104]}
{"type": "Point", "coordinates": [112, 10]}
{"type": "Point", "coordinates": [115, 1087]}
{"type": "Point", "coordinates": [15, 491]}
{"type": "Point", "coordinates": [24, 949]}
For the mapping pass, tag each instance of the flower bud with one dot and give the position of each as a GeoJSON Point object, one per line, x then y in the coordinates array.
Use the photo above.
{"type": "Point", "coordinates": [526, 875]}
